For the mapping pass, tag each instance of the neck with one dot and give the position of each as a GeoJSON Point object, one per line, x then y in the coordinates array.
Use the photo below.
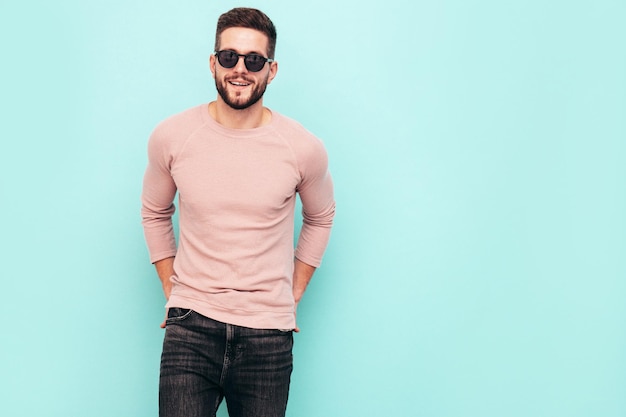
{"type": "Point", "coordinates": [250, 118]}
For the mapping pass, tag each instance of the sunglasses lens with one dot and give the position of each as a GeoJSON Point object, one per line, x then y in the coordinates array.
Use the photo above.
{"type": "Point", "coordinates": [227, 59]}
{"type": "Point", "coordinates": [254, 62]}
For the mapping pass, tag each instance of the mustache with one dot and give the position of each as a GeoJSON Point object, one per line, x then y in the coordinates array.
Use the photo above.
{"type": "Point", "coordinates": [239, 78]}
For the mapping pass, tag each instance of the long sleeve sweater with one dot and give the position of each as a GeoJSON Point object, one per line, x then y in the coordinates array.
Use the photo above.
{"type": "Point", "coordinates": [236, 195]}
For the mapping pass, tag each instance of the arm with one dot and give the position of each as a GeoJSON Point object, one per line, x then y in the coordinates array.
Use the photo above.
{"type": "Point", "coordinates": [318, 211]}
{"type": "Point", "coordinates": [157, 199]}
{"type": "Point", "coordinates": [157, 209]}
{"type": "Point", "coordinates": [302, 274]}
{"type": "Point", "coordinates": [165, 270]}
{"type": "Point", "coordinates": [318, 206]}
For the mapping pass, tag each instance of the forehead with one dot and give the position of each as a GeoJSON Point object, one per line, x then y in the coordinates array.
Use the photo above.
{"type": "Point", "coordinates": [244, 40]}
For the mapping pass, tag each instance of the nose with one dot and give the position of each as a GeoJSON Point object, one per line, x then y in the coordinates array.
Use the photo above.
{"type": "Point", "coordinates": [241, 65]}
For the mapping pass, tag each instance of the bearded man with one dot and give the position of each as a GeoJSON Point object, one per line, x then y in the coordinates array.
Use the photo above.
{"type": "Point", "coordinates": [234, 280]}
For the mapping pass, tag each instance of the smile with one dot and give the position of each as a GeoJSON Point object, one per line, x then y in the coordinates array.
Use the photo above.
{"type": "Point", "coordinates": [239, 84]}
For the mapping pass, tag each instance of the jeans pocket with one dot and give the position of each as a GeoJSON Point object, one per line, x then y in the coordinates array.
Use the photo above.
{"type": "Point", "coordinates": [177, 314]}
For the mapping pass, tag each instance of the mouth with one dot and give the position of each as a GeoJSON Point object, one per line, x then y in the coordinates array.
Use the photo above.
{"type": "Point", "coordinates": [239, 84]}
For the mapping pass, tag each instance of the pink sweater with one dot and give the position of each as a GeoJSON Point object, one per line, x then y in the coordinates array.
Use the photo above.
{"type": "Point", "coordinates": [236, 194]}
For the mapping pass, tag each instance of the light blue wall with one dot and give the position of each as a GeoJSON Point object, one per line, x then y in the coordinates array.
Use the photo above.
{"type": "Point", "coordinates": [477, 267]}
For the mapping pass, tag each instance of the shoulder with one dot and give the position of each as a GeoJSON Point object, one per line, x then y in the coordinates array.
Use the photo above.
{"type": "Point", "coordinates": [301, 140]}
{"type": "Point", "coordinates": [178, 126]}
{"type": "Point", "coordinates": [309, 151]}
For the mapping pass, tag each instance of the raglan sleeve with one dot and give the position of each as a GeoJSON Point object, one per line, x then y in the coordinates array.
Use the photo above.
{"type": "Point", "coordinates": [318, 204]}
{"type": "Point", "coordinates": [157, 198]}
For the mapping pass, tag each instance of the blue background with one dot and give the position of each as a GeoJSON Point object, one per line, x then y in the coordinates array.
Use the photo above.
{"type": "Point", "coordinates": [478, 149]}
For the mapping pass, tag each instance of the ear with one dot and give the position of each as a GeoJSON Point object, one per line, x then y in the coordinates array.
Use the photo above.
{"type": "Point", "coordinates": [273, 71]}
{"type": "Point", "coordinates": [212, 64]}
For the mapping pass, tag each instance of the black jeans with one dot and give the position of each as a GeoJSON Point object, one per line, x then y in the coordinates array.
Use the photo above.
{"type": "Point", "coordinates": [204, 361]}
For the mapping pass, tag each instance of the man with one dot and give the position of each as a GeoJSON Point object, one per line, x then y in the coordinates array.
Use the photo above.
{"type": "Point", "coordinates": [233, 283]}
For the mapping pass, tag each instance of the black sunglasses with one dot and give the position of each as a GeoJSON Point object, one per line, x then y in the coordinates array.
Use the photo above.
{"type": "Point", "coordinates": [253, 62]}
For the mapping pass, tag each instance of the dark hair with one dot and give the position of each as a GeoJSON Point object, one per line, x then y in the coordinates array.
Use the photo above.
{"type": "Point", "coordinates": [243, 17]}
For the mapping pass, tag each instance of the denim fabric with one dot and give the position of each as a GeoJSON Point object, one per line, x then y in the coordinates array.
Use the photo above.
{"type": "Point", "coordinates": [205, 361]}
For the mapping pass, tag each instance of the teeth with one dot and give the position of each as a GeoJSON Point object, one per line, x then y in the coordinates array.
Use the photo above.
{"type": "Point", "coordinates": [238, 84]}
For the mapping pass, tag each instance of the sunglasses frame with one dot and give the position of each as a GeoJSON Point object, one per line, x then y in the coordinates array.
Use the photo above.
{"type": "Point", "coordinates": [245, 56]}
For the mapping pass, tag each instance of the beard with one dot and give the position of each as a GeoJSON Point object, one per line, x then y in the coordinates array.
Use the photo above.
{"type": "Point", "coordinates": [236, 100]}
